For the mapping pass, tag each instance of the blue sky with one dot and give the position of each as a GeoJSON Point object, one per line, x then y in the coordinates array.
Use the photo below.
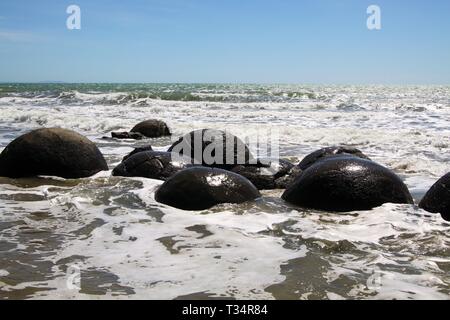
{"type": "Point", "coordinates": [276, 41]}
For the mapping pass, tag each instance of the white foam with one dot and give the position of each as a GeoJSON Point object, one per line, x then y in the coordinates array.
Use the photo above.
{"type": "Point", "coordinates": [239, 250]}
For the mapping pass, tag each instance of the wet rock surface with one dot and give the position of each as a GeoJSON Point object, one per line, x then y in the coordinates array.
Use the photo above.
{"type": "Point", "coordinates": [52, 152]}
{"type": "Point", "coordinates": [152, 165]}
{"type": "Point", "coordinates": [213, 148]}
{"type": "Point", "coordinates": [437, 199]}
{"type": "Point", "coordinates": [201, 188]}
{"type": "Point", "coordinates": [346, 184]}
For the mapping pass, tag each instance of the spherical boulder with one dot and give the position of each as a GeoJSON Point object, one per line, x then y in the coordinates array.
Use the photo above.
{"type": "Point", "coordinates": [152, 165]}
{"type": "Point", "coordinates": [51, 152]}
{"type": "Point", "coordinates": [325, 153]}
{"type": "Point", "coordinates": [345, 184]}
{"type": "Point", "coordinates": [152, 128]}
{"type": "Point", "coordinates": [265, 173]}
{"type": "Point", "coordinates": [213, 148]}
{"type": "Point", "coordinates": [200, 188]}
{"type": "Point", "coordinates": [437, 199]}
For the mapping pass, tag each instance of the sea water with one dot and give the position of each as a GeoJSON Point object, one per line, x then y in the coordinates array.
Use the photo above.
{"type": "Point", "coordinates": [106, 237]}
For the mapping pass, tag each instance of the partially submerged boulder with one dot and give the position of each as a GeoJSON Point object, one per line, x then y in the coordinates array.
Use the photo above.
{"type": "Point", "coordinates": [152, 128]}
{"type": "Point", "coordinates": [51, 152]}
{"type": "Point", "coordinates": [213, 148]}
{"type": "Point", "coordinates": [346, 183]}
{"type": "Point", "coordinates": [437, 199]}
{"type": "Point", "coordinates": [152, 165]}
{"type": "Point", "coordinates": [325, 153]}
{"type": "Point", "coordinates": [201, 188]}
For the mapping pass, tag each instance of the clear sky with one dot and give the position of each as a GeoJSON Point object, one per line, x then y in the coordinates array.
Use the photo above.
{"type": "Point", "coordinates": [252, 41]}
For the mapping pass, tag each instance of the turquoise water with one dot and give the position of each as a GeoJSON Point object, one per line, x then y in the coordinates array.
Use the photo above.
{"type": "Point", "coordinates": [174, 92]}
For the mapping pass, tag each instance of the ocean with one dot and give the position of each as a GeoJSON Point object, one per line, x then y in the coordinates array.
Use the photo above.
{"type": "Point", "coordinates": [106, 237]}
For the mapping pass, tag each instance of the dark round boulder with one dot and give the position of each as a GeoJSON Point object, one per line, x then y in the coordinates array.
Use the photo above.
{"type": "Point", "coordinates": [264, 174]}
{"type": "Point", "coordinates": [325, 153]}
{"type": "Point", "coordinates": [152, 165]}
{"type": "Point", "coordinates": [213, 148]}
{"type": "Point", "coordinates": [201, 188]}
{"type": "Point", "coordinates": [437, 199]}
{"type": "Point", "coordinates": [51, 152]}
{"type": "Point", "coordinates": [152, 128]}
{"type": "Point", "coordinates": [345, 184]}
{"type": "Point", "coordinates": [137, 150]}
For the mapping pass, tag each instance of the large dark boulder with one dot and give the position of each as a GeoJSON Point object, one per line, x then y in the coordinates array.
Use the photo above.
{"type": "Point", "coordinates": [213, 148]}
{"type": "Point", "coordinates": [201, 188]}
{"type": "Point", "coordinates": [51, 152]}
{"type": "Point", "coordinates": [152, 128]}
{"type": "Point", "coordinates": [437, 199]}
{"type": "Point", "coordinates": [152, 164]}
{"type": "Point", "coordinates": [265, 174]}
{"type": "Point", "coordinates": [346, 184]}
{"type": "Point", "coordinates": [325, 153]}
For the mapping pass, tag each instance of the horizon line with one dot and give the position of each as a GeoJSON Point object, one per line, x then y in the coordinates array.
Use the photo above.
{"type": "Point", "coordinates": [228, 83]}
